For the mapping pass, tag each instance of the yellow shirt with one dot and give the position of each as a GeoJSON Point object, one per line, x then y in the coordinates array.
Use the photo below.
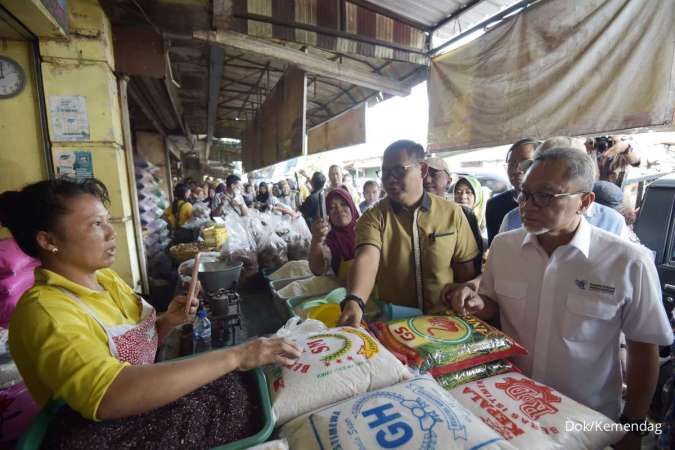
{"type": "Point", "coordinates": [445, 237]}
{"type": "Point", "coordinates": [184, 214]}
{"type": "Point", "coordinates": [59, 349]}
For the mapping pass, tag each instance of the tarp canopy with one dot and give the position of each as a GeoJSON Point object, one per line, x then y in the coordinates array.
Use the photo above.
{"type": "Point", "coordinates": [563, 67]}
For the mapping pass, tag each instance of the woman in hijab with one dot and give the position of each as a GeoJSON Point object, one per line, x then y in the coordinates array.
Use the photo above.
{"type": "Point", "coordinates": [334, 241]}
{"type": "Point", "coordinates": [469, 192]}
{"type": "Point", "coordinates": [262, 199]}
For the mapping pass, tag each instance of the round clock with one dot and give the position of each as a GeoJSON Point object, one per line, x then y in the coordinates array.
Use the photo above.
{"type": "Point", "coordinates": [12, 77]}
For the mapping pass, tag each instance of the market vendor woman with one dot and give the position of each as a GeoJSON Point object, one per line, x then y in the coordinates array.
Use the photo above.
{"type": "Point", "coordinates": [81, 334]}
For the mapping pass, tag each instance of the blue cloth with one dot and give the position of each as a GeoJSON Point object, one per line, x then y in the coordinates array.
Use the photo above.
{"type": "Point", "coordinates": [598, 215]}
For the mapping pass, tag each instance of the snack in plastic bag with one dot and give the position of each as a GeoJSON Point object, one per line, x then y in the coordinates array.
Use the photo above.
{"type": "Point", "coordinates": [454, 379]}
{"type": "Point", "coordinates": [416, 414]}
{"type": "Point", "coordinates": [272, 252]}
{"type": "Point", "coordinates": [336, 364]}
{"type": "Point", "coordinates": [531, 415]}
{"type": "Point", "coordinates": [446, 343]}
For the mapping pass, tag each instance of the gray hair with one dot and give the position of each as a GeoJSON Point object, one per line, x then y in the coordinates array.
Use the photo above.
{"type": "Point", "coordinates": [580, 166]}
{"type": "Point", "coordinates": [562, 142]}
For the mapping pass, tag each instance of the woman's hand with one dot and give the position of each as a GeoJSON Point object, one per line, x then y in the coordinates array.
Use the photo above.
{"type": "Point", "coordinates": [175, 314]}
{"type": "Point", "coordinates": [260, 351]}
{"type": "Point", "coordinates": [320, 229]}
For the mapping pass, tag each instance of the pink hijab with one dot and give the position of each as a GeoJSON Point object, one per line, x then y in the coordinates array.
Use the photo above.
{"type": "Point", "coordinates": [342, 240]}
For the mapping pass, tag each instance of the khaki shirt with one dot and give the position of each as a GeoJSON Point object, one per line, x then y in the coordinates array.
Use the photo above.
{"type": "Point", "coordinates": [443, 236]}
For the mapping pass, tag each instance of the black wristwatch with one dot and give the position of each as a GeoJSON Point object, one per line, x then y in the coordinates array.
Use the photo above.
{"type": "Point", "coordinates": [353, 298]}
{"type": "Point", "coordinates": [638, 426]}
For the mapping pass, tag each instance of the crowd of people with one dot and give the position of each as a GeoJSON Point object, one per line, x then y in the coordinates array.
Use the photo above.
{"type": "Point", "coordinates": [563, 275]}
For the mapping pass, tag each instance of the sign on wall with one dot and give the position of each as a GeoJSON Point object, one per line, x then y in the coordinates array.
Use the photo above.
{"type": "Point", "coordinates": [74, 164]}
{"type": "Point", "coordinates": [69, 119]}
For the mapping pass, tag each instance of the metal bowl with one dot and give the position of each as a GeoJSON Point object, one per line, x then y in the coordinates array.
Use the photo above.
{"type": "Point", "coordinates": [219, 275]}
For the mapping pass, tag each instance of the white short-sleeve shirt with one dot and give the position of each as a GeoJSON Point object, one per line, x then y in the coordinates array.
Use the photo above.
{"type": "Point", "coordinates": [569, 309]}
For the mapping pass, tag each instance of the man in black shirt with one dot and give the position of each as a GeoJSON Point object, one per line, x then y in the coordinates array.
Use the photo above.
{"type": "Point", "coordinates": [499, 205]}
{"type": "Point", "coordinates": [311, 208]}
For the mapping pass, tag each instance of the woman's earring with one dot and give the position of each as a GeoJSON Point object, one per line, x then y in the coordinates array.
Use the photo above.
{"type": "Point", "coordinates": [54, 250]}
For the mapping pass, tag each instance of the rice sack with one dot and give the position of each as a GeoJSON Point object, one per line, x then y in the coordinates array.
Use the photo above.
{"type": "Point", "coordinates": [336, 364]}
{"type": "Point", "coordinates": [531, 415]}
{"type": "Point", "coordinates": [416, 414]}
{"type": "Point", "coordinates": [441, 344]}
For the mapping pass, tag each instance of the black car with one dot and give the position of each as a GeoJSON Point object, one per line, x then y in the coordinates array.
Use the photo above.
{"type": "Point", "coordinates": [655, 227]}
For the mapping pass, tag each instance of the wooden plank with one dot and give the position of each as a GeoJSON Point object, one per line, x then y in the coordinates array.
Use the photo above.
{"type": "Point", "coordinates": [342, 131]}
{"type": "Point", "coordinates": [138, 51]}
{"type": "Point", "coordinates": [304, 61]}
{"type": "Point", "coordinates": [278, 131]}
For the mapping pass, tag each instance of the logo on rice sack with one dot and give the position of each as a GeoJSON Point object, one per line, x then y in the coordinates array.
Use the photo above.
{"type": "Point", "coordinates": [390, 427]}
{"type": "Point", "coordinates": [439, 329]}
{"type": "Point", "coordinates": [537, 400]}
{"type": "Point", "coordinates": [322, 343]}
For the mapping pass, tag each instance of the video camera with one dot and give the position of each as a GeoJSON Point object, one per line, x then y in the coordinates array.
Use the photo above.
{"type": "Point", "coordinates": [602, 143]}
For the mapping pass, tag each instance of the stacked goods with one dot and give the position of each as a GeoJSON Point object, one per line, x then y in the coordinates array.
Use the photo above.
{"type": "Point", "coordinates": [336, 364]}
{"type": "Point", "coordinates": [416, 414]}
{"type": "Point", "coordinates": [530, 415]}
{"type": "Point", "coordinates": [443, 344]}
{"type": "Point", "coordinates": [16, 277]}
{"type": "Point", "coordinates": [215, 236]}
{"type": "Point", "coordinates": [152, 202]}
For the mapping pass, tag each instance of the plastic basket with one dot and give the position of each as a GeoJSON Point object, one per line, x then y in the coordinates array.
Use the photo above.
{"type": "Point", "coordinates": [33, 437]}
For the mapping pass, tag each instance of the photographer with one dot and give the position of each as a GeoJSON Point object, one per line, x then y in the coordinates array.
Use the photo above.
{"type": "Point", "coordinates": [613, 156]}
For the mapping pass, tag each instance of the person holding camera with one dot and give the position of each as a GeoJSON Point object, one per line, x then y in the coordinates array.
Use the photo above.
{"type": "Point", "coordinates": [613, 157]}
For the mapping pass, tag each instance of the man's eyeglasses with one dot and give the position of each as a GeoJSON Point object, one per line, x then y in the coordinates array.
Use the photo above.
{"type": "Point", "coordinates": [435, 172]}
{"type": "Point", "coordinates": [519, 166]}
{"type": "Point", "coordinates": [543, 199]}
{"type": "Point", "coordinates": [397, 171]}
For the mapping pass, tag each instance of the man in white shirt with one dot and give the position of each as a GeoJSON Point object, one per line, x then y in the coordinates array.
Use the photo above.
{"type": "Point", "coordinates": [572, 292]}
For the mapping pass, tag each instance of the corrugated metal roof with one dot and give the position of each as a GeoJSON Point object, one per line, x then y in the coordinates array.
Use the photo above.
{"type": "Point", "coordinates": [432, 12]}
{"type": "Point", "coordinates": [428, 12]}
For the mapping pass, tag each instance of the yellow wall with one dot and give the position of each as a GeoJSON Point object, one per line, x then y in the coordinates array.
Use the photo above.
{"type": "Point", "coordinates": [21, 157]}
{"type": "Point", "coordinates": [81, 64]}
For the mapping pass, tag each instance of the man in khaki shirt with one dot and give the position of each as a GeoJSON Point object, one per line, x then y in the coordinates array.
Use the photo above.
{"type": "Point", "coordinates": [411, 244]}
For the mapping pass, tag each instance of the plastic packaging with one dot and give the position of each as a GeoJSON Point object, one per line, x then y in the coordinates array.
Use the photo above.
{"type": "Point", "coordinates": [336, 364]}
{"type": "Point", "coordinates": [442, 344]}
{"type": "Point", "coordinates": [454, 379]}
{"type": "Point", "coordinates": [201, 333]}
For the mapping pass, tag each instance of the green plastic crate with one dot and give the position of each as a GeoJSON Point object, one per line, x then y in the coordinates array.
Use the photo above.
{"type": "Point", "coordinates": [33, 437]}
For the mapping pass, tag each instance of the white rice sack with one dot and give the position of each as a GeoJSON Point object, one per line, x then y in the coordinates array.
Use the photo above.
{"type": "Point", "coordinates": [309, 286]}
{"type": "Point", "coordinates": [279, 444]}
{"type": "Point", "coordinates": [292, 269]}
{"type": "Point", "coordinates": [336, 364]}
{"type": "Point", "coordinates": [531, 415]}
{"type": "Point", "coordinates": [416, 414]}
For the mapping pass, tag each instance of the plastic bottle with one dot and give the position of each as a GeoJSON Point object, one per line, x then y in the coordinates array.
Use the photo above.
{"type": "Point", "coordinates": [201, 333]}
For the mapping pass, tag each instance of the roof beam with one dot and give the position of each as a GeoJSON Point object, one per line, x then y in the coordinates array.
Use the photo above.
{"type": "Point", "coordinates": [306, 62]}
{"type": "Point", "coordinates": [216, 67]}
{"type": "Point", "coordinates": [329, 32]}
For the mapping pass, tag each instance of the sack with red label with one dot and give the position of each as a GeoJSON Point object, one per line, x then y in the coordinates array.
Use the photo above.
{"type": "Point", "coordinates": [336, 364]}
{"type": "Point", "coordinates": [454, 379]}
{"type": "Point", "coordinates": [446, 343]}
{"type": "Point", "coordinates": [528, 414]}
